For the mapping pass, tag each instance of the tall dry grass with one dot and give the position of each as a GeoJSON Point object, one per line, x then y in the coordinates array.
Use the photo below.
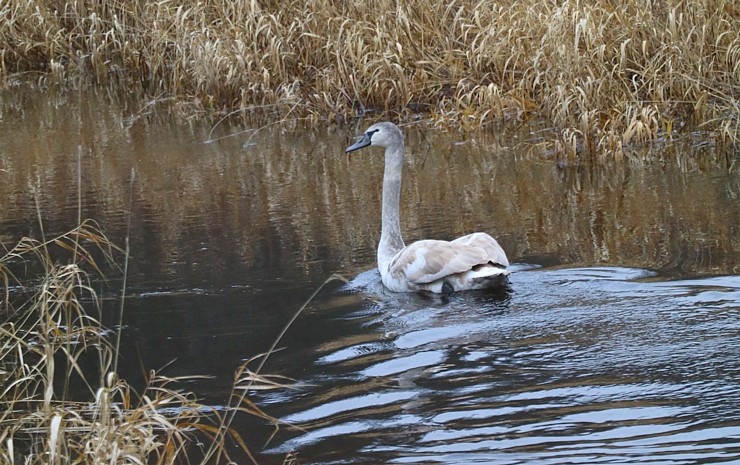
{"type": "Point", "coordinates": [609, 75]}
{"type": "Point", "coordinates": [62, 400]}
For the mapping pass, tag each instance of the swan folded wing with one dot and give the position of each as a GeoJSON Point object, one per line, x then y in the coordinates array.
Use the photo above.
{"type": "Point", "coordinates": [493, 250]}
{"type": "Point", "coordinates": [429, 260]}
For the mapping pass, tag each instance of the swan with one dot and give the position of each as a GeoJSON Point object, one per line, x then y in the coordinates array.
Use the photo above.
{"type": "Point", "coordinates": [475, 261]}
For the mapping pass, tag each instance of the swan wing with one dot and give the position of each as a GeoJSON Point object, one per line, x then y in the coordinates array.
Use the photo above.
{"type": "Point", "coordinates": [429, 260]}
{"type": "Point", "coordinates": [493, 250]}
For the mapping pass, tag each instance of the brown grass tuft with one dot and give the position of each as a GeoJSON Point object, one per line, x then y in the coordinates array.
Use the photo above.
{"type": "Point", "coordinates": [48, 338]}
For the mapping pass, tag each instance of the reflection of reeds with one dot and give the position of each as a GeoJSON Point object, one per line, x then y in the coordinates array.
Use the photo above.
{"type": "Point", "coordinates": [608, 74]}
{"type": "Point", "coordinates": [53, 348]}
{"type": "Point", "coordinates": [295, 206]}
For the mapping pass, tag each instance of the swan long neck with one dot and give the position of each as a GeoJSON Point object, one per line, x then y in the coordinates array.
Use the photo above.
{"type": "Point", "coordinates": [390, 238]}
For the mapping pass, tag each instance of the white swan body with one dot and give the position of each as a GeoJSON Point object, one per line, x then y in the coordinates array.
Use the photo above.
{"type": "Point", "coordinates": [475, 261]}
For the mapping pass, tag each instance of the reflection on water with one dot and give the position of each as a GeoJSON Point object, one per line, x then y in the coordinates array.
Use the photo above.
{"type": "Point", "coordinates": [623, 347]}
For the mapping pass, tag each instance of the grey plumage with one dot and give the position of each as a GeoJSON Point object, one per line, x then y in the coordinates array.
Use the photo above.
{"type": "Point", "coordinates": [475, 261]}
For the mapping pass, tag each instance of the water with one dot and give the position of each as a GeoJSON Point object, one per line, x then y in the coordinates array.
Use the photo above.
{"type": "Point", "coordinates": [617, 341]}
{"type": "Point", "coordinates": [586, 365]}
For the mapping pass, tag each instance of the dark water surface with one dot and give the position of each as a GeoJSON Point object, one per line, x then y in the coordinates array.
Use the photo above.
{"type": "Point", "coordinates": [618, 341]}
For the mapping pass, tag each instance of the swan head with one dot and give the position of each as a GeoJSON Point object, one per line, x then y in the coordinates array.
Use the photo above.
{"type": "Point", "coordinates": [379, 135]}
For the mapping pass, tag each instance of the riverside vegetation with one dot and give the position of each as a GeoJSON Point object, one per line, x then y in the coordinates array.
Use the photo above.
{"type": "Point", "coordinates": [610, 77]}
{"type": "Point", "coordinates": [53, 349]}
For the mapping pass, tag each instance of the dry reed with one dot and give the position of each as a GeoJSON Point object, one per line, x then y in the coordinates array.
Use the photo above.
{"type": "Point", "coordinates": [609, 75]}
{"type": "Point", "coordinates": [48, 338]}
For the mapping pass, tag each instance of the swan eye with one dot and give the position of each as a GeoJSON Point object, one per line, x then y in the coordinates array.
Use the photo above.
{"type": "Point", "coordinates": [370, 133]}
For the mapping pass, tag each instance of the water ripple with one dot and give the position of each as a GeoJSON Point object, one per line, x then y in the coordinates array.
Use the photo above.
{"type": "Point", "coordinates": [572, 366]}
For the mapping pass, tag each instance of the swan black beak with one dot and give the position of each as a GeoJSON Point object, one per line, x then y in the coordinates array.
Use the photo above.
{"type": "Point", "coordinates": [363, 142]}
